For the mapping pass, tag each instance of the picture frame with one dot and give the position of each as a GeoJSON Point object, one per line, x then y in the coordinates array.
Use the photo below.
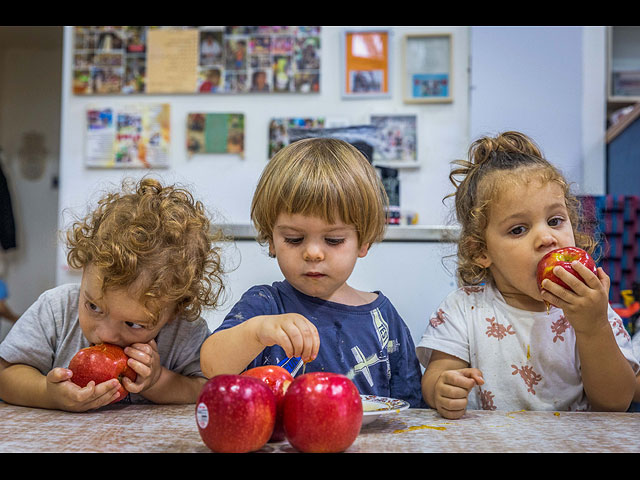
{"type": "Point", "coordinates": [397, 140]}
{"type": "Point", "coordinates": [366, 60]}
{"type": "Point", "coordinates": [428, 68]}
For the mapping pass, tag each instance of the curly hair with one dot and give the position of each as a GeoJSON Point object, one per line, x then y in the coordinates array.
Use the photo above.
{"type": "Point", "coordinates": [158, 235]}
{"type": "Point", "coordinates": [325, 178]}
{"type": "Point", "coordinates": [483, 177]}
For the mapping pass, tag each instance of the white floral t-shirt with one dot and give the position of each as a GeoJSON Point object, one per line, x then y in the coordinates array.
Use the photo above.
{"type": "Point", "coordinates": [529, 360]}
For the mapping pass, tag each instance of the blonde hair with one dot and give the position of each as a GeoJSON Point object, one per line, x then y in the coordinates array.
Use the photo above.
{"type": "Point", "coordinates": [325, 178]}
{"type": "Point", "coordinates": [157, 234]}
{"type": "Point", "coordinates": [483, 175]}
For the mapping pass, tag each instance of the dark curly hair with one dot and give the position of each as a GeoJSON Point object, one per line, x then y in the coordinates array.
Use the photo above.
{"type": "Point", "coordinates": [158, 235]}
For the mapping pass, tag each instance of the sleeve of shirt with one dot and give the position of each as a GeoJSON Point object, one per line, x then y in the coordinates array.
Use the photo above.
{"type": "Point", "coordinates": [446, 330]}
{"type": "Point", "coordinates": [258, 300]}
{"type": "Point", "coordinates": [624, 339]}
{"type": "Point", "coordinates": [32, 339]}
{"type": "Point", "coordinates": [181, 346]}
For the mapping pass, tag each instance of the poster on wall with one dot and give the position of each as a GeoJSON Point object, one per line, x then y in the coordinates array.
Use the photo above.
{"type": "Point", "coordinates": [215, 133]}
{"type": "Point", "coordinates": [279, 130]}
{"type": "Point", "coordinates": [365, 62]}
{"type": "Point", "coordinates": [135, 136]}
{"type": "Point", "coordinates": [427, 68]}
{"type": "Point", "coordinates": [200, 59]}
{"type": "Point", "coordinates": [397, 144]}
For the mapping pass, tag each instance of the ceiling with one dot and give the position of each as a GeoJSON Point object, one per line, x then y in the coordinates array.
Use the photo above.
{"type": "Point", "coordinates": [37, 36]}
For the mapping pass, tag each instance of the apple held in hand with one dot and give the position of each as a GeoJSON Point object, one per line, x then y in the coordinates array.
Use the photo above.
{"type": "Point", "coordinates": [100, 363]}
{"type": "Point", "coordinates": [322, 413]}
{"type": "Point", "coordinates": [278, 379]}
{"type": "Point", "coordinates": [563, 257]}
{"type": "Point", "coordinates": [235, 413]}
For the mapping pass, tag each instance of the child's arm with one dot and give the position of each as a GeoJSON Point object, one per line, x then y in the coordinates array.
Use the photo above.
{"type": "Point", "coordinates": [608, 379]}
{"type": "Point", "coordinates": [232, 349]}
{"type": "Point", "coordinates": [25, 385]}
{"type": "Point", "coordinates": [446, 384]}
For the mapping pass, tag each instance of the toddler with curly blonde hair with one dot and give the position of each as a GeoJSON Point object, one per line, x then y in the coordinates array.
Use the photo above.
{"type": "Point", "coordinates": [150, 265]}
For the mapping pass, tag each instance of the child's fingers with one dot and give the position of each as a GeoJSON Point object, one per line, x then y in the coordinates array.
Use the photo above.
{"type": "Point", "coordinates": [59, 374]}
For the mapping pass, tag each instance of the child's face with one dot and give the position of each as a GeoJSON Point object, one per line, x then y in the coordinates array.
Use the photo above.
{"type": "Point", "coordinates": [315, 257]}
{"type": "Point", "coordinates": [117, 316]}
{"type": "Point", "coordinates": [524, 224]}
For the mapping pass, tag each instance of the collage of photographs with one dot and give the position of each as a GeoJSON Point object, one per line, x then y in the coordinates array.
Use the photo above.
{"type": "Point", "coordinates": [227, 59]}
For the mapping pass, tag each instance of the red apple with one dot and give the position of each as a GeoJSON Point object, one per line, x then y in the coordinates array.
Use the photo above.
{"type": "Point", "coordinates": [235, 413]}
{"type": "Point", "coordinates": [563, 257]}
{"type": "Point", "coordinates": [278, 379]}
{"type": "Point", "coordinates": [101, 363]}
{"type": "Point", "coordinates": [322, 413]}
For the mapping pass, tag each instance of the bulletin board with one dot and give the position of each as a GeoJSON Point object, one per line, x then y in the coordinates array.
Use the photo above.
{"type": "Point", "coordinates": [196, 60]}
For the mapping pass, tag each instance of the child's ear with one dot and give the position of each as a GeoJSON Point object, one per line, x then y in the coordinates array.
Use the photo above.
{"type": "Point", "coordinates": [484, 260]}
{"type": "Point", "coordinates": [272, 251]}
{"type": "Point", "coordinates": [364, 249]}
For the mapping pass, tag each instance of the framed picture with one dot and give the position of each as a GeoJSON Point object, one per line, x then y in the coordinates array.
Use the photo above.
{"type": "Point", "coordinates": [397, 141]}
{"type": "Point", "coordinates": [366, 60]}
{"type": "Point", "coordinates": [428, 75]}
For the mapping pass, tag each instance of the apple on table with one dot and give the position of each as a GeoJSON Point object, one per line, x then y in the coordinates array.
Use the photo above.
{"type": "Point", "coordinates": [235, 413]}
{"type": "Point", "coordinates": [278, 379]}
{"type": "Point", "coordinates": [322, 413]}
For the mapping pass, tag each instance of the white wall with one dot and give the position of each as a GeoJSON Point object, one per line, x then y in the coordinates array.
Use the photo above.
{"type": "Point", "coordinates": [548, 82]}
{"type": "Point", "coordinates": [541, 80]}
{"type": "Point", "coordinates": [226, 182]}
{"type": "Point", "coordinates": [30, 83]}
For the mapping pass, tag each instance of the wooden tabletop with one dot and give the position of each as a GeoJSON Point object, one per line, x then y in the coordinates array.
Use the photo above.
{"type": "Point", "coordinates": [171, 428]}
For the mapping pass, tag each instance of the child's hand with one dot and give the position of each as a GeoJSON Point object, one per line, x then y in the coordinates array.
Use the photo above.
{"type": "Point", "coordinates": [452, 391]}
{"type": "Point", "coordinates": [144, 359]}
{"type": "Point", "coordinates": [585, 308]}
{"type": "Point", "coordinates": [68, 396]}
{"type": "Point", "coordinates": [297, 336]}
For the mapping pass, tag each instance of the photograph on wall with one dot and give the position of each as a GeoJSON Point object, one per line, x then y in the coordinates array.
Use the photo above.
{"type": "Point", "coordinates": [135, 136]}
{"type": "Point", "coordinates": [365, 59]}
{"type": "Point", "coordinates": [279, 130]}
{"type": "Point", "coordinates": [427, 68]}
{"type": "Point", "coordinates": [201, 59]}
{"type": "Point", "coordinates": [215, 133]}
{"type": "Point", "coordinates": [396, 138]}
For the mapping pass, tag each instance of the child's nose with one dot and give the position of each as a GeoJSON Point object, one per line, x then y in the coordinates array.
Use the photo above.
{"type": "Point", "coordinates": [313, 253]}
{"type": "Point", "coordinates": [546, 238]}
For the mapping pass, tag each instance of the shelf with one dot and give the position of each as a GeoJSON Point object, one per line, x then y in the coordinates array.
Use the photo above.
{"type": "Point", "coordinates": [394, 233]}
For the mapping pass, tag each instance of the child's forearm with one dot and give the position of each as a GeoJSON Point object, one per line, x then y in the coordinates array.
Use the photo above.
{"type": "Point", "coordinates": [230, 350]}
{"type": "Point", "coordinates": [174, 388]}
{"type": "Point", "coordinates": [608, 379]}
{"type": "Point", "coordinates": [24, 385]}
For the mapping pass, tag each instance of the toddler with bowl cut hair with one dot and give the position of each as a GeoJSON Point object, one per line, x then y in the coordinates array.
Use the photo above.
{"type": "Point", "coordinates": [318, 207]}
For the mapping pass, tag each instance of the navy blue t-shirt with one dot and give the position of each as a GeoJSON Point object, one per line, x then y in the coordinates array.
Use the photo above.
{"type": "Point", "coordinates": [370, 343]}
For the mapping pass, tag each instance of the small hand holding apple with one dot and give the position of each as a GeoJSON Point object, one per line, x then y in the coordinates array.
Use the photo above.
{"type": "Point", "coordinates": [452, 391]}
{"type": "Point", "coordinates": [70, 397]}
{"type": "Point", "coordinates": [578, 287]}
{"type": "Point", "coordinates": [144, 360]}
{"type": "Point", "coordinates": [297, 336]}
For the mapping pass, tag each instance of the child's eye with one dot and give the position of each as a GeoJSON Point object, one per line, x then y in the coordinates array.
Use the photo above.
{"type": "Point", "coordinates": [93, 307]}
{"type": "Point", "coordinates": [134, 325]}
{"type": "Point", "coordinates": [334, 241]}
{"type": "Point", "coordinates": [556, 221]}
{"type": "Point", "coordinates": [293, 240]}
{"type": "Point", "coordinates": [519, 230]}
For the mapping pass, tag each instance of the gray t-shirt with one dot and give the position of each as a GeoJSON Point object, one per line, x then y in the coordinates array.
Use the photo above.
{"type": "Point", "coordinates": [48, 335]}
